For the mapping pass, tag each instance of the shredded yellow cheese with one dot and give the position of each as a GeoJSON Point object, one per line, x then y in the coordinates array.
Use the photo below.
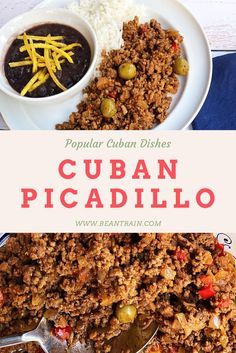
{"type": "Point", "coordinates": [26, 45]}
{"type": "Point", "coordinates": [33, 55]}
{"type": "Point", "coordinates": [57, 44]}
{"type": "Point", "coordinates": [71, 46]}
{"type": "Point", "coordinates": [50, 70]}
{"type": "Point", "coordinates": [41, 37]}
{"type": "Point", "coordinates": [42, 78]}
{"type": "Point", "coordinates": [39, 83]}
{"type": "Point", "coordinates": [42, 74]}
{"type": "Point", "coordinates": [30, 84]}
{"type": "Point", "coordinates": [21, 63]}
{"type": "Point", "coordinates": [25, 63]}
{"type": "Point", "coordinates": [71, 53]}
{"type": "Point", "coordinates": [50, 47]}
{"type": "Point", "coordinates": [41, 59]}
{"type": "Point", "coordinates": [44, 66]}
{"type": "Point", "coordinates": [57, 62]}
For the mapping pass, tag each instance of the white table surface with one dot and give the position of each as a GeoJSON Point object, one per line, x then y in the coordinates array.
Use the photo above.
{"type": "Point", "coordinates": [218, 18]}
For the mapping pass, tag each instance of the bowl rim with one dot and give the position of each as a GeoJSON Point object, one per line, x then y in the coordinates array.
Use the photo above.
{"type": "Point", "coordinates": [75, 88]}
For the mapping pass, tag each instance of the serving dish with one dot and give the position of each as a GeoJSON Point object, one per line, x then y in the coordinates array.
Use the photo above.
{"type": "Point", "coordinates": [228, 240]}
{"type": "Point", "coordinates": [34, 18]}
{"type": "Point", "coordinates": [186, 103]}
{"type": "Point", "coordinates": [104, 284]}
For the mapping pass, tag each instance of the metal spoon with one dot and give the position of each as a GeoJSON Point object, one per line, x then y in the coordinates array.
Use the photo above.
{"type": "Point", "coordinates": [136, 338]}
{"type": "Point", "coordinates": [42, 335]}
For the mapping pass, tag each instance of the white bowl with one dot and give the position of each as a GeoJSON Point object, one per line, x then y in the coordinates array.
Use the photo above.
{"type": "Point", "coordinates": [20, 24]}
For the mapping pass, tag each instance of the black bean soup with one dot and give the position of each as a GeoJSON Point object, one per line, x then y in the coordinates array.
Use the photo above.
{"type": "Point", "coordinates": [70, 74]}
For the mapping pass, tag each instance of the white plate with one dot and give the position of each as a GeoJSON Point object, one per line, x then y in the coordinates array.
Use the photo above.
{"type": "Point", "coordinates": [186, 104]}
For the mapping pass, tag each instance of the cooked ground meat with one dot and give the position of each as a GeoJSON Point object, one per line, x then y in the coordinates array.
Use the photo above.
{"type": "Point", "coordinates": [184, 281]}
{"type": "Point", "coordinates": [141, 102]}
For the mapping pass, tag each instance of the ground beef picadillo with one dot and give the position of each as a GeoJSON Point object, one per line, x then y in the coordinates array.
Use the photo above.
{"type": "Point", "coordinates": [187, 282]}
{"type": "Point", "coordinates": [143, 102]}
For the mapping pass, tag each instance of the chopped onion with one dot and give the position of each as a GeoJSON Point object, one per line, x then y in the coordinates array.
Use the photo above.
{"type": "Point", "coordinates": [184, 324]}
{"type": "Point", "coordinates": [224, 341]}
{"type": "Point", "coordinates": [168, 273]}
{"type": "Point", "coordinates": [195, 324]}
{"type": "Point", "coordinates": [221, 277]}
{"type": "Point", "coordinates": [215, 322]}
{"type": "Point", "coordinates": [224, 338]}
{"type": "Point", "coordinates": [207, 258]}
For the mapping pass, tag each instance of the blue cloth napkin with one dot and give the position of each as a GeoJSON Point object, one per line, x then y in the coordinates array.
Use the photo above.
{"type": "Point", "coordinates": [219, 109]}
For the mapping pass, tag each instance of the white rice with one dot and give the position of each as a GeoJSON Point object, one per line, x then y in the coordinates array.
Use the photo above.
{"type": "Point", "coordinates": [107, 18]}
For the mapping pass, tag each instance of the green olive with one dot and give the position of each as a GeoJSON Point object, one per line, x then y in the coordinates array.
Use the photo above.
{"type": "Point", "coordinates": [108, 108]}
{"type": "Point", "coordinates": [127, 71]}
{"type": "Point", "coordinates": [181, 66]}
{"type": "Point", "coordinates": [126, 314]}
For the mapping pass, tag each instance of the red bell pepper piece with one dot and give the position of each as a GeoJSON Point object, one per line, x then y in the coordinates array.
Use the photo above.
{"type": "Point", "coordinates": [221, 249]}
{"type": "Point", "coordinates": [112, 94]}
{"type": "Point", "coordinates": [181, 255]}
{"type": "Point", "coordinates": [142, 29]}
{"type": "Point", "coordinates": [223, 303]}
{"type": "Point", "coordinates": [207, 292]}
{"type": "Point", "coordinates": [175, 46]}
{"type": "Point", "coordinates": [63, 333]}
{"type": "Point", "coordinates": [206, 280]}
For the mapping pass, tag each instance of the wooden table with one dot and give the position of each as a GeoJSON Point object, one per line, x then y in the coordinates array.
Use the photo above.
{"type": "Point", "coordinates": [218, 18]}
